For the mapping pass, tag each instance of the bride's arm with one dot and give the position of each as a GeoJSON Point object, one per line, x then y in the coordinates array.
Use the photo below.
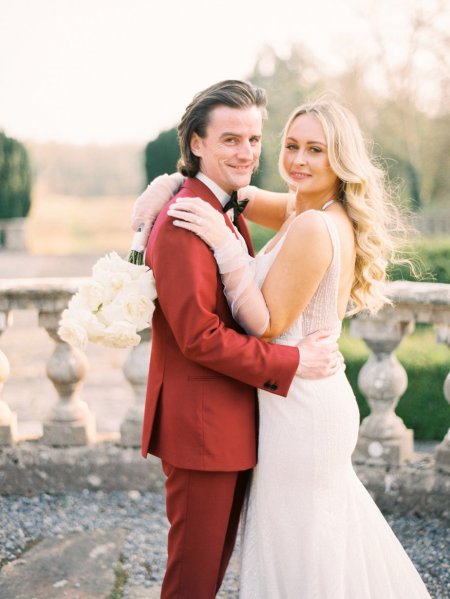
{"type": "Point", "coordinates": [292, 279]}
{"type": "Point", "coordinates": [150, 203]}
{"type": "Point", "coordinates": [267, 208]}
{"type": "Point", "coordinates": [297, 271]}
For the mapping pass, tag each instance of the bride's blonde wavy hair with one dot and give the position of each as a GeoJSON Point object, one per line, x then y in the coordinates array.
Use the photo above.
{"type": "Point", "coordinates": [365, 196]}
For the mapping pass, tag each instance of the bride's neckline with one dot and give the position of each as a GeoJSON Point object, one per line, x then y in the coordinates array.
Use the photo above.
{"type": "Point", "coordinates": [267, 251]}
{"type": "Point", "coordinates": [328, 204]}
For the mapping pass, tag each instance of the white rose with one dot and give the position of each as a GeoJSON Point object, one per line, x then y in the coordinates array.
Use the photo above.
{"type": "Point", "coordinates": [147, 285]}
{"type": "Point", "coordinates": [138, 309]}
{"type": "Point", "coordinates": [110, 263]}
{"type": "Point", "coordinates": [120, 334]}
{"type": "Point", "coordinates": [77, 304]}
{"type": "Point", "coordinates": [111, 313]}
{"type": "Point", "coordinates": [72, 331]}
{"type": "Point", "coordinates": [92, 294]}
{"type": "Point", "coordinates": [119, 281]}
{"type": "Point", "coordinates": [85, 319]}
{"type": "Point", "coordinates": [136, 271]}
{"type": "Point", "coordinates": [77, 311]}
{"type": "Point", "coordinates": [109, 266]}
{"type": "Point", "coordinates": [94, 329]}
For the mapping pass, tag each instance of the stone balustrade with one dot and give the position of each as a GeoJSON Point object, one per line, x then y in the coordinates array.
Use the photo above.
{"type": "Point", "coordinates": [71, 422]}
{"type": "Point", "coordinates": [383, 380]}
{"type": "Point", "coordinates": [383, 437]}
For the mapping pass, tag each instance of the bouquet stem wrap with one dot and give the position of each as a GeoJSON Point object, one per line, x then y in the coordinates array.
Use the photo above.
{"type": "Point", "coordinates": [136, 255]}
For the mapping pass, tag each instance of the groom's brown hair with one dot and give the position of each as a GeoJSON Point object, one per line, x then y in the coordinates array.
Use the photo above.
{"type": "Point", "coordinates": [232, 93]}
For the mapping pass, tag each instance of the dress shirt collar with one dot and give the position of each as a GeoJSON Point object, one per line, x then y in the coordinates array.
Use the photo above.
{"type": "Point", "coordinates": [220, 194]}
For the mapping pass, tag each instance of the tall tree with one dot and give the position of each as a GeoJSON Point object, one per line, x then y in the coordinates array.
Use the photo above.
{"type": "Point", "coordinates": [162, 154]}
{"type": "Point", "coordinates": [413, 100]}
{"type": "Point", "coordinates": [15, 178]}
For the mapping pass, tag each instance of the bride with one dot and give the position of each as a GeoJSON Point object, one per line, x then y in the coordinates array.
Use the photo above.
{"type": "Point", "coordinates": [310, 529]}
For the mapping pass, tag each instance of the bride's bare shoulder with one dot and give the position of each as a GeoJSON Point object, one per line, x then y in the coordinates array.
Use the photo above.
{"type": "Point", "coordinates": [308, 236]}
{"type": "Point", "coordinates": [309, 224]}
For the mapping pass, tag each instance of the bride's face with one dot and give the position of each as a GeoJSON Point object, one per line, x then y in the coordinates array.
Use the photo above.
{"type": "Point", "coordinates": [305, 159]}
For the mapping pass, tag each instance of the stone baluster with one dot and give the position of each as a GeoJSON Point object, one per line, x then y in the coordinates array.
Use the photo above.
{"type": "Point", "coordinates": [443, 449]}
{"type": "Point", "coordinates": [383, 380]}
{"type": "Point", "coordinates": [135, 369]}
{"type": "Point", "coordinates": [70, 421]}
{"type": "Point", "coordinates": [8, 419]}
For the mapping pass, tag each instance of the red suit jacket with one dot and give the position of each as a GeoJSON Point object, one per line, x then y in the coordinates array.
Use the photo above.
{"type": "Point", "coordinates": [201, 408]}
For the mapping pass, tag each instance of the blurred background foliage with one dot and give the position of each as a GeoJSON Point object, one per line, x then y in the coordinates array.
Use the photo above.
{"type": "Point", "coordinates": [407, 133]}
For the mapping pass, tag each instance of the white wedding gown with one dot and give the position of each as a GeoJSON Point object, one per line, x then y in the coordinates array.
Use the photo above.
{"type": "Point", "coordinates": [310, 530]}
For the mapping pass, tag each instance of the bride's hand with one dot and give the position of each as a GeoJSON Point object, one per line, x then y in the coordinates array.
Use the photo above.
{"type": "Point", "coordinates": [201, 218]}
{"type": "Point", "coordinates": [247, 193]}
{"type": "Point", "coordinates": [150, 203]}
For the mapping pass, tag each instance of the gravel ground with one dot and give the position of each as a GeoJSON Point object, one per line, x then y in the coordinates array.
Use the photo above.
{"type": "Point", "coordinates": [142, 515]}
{"type": "Point", "coordinates": [26, 519]}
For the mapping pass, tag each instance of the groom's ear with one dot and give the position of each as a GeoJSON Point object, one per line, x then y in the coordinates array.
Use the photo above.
{"type": "Point", "coordinates": [196, 145]}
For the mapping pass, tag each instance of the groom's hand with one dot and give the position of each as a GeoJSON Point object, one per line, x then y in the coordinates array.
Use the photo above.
{"type": "Point", "coordinates": [319, 356]}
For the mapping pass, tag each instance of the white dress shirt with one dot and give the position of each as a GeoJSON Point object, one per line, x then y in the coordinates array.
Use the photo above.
{"type": "Point", "coordinates": [223, 198]}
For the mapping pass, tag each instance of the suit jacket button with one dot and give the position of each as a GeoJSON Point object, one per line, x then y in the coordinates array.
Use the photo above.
{"type": "Point", "coordinates": [267, 385]}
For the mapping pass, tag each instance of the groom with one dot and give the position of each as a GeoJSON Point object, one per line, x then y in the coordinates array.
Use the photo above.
{"type": "Point", "coordinates": [201, 410]}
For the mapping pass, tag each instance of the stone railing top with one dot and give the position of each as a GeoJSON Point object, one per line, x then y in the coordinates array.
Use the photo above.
{"type": "Point", "coordinates": [419, 302]}
{"type": "Point", "coordinates": [44, 294]}
{"type": "Point", "coordinates": [427, 303]}
{"type": "Point", "coordinates": [409, 292]}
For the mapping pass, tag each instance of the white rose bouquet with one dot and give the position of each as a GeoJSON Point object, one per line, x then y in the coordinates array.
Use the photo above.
{"type": "Point", "coordinates": [113, 305]}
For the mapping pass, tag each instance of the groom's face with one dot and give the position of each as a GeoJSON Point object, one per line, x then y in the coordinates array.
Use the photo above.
{"type": "Point", "coordinates": [229, 153]}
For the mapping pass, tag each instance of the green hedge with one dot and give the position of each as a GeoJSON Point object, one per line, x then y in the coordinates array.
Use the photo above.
{"type": "Point", "coordinates": [260, 235]}
{"type": "Point", "coordinates": [433, 256]}
{"type": "Point", "coordinates": [15, 178]}
{"type": "Point", "coordinates": [423, 406]}
{"type": "Point", "coordinates": [162, 154]}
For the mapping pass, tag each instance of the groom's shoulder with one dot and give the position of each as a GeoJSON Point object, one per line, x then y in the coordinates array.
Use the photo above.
{"type": "Point", "coordinates": [194, 188]}
{"type": "Point", "coordinates": [165, 234]}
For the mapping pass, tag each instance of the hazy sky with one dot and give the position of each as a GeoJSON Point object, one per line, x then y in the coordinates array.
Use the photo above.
{"type": "Point", "coordinates": [122, 70]}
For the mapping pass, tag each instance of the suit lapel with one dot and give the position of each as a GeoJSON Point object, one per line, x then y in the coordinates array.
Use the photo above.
{"type": "Point", "coordinates": [193, 187]}
{"type": "Point", "coordinates": [241, 226]}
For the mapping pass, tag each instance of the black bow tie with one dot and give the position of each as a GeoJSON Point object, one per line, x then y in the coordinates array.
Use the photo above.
{"type": "Point", "coordinates": [237, 205]}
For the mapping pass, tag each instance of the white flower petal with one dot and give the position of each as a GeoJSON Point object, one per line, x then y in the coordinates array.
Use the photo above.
{"type": "Point", "coordinates": [72, 332]}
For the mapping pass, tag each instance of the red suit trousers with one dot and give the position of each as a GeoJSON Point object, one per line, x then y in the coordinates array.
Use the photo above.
{"type": "Point", "coordinates": [203, 509]}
